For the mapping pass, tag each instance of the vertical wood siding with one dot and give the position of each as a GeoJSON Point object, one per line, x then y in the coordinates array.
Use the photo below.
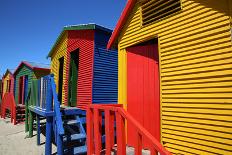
{"type": "Point", "coordinates": [60, 51]}
{"type": "Point", "coordinates": [23, 70]}
{"type": "Point", "coordinates": [84, 40]}
{"type": "Point", "coordinates": [195, 67]}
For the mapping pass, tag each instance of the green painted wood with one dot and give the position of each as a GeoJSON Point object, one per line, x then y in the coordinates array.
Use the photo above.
{"type": "Point", "coordinates": [31, 119]}
{"type": "Point", "coordinates": [73, 77]}
{"type": "Point", "coordinates": [24, 70]}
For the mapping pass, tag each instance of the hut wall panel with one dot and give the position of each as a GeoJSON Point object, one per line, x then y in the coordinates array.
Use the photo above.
{"type": "Point", "coordinates": [101, 38]}
{"type": "Point", "coordinates": [60, 51]}
{"type": "Point", "coordinates": [105, 80]}
{"type": "Point", "coordinates": [84, 40]}
{"type": "Point", "coordinates": [7, 77]}
{"type": "Point", "coordinates": [22, 71]}
{"type": "Point", "coordinates": [195, 69]}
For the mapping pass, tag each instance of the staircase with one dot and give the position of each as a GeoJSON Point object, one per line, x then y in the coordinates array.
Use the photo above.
{"type": "Point", "coordinates": [74, 138]}
{"type": "Point", "coordinates": [65, 126]}
{"type": "Point", "coordinates": [20, 114]}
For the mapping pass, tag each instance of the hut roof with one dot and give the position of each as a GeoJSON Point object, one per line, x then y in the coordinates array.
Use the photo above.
{"type": "Point", "coordinates": [33, 66]}
{"type": "Point", "coordinates": [90, 26]}
{"type": "Point", "coordinates": [11, 71]}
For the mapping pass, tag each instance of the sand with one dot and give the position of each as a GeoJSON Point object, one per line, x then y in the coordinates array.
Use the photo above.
{"type": "Point", "coordinates": [13, 140]}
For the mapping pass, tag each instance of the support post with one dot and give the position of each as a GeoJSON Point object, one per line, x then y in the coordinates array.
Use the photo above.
{"type": "Point", "coordinates": [30, 124]}
{"type": "Point", "coordinates": [38, 129]}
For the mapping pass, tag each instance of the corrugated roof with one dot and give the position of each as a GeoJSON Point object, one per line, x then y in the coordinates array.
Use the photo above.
{"type": "Point", "coordinates": [90, 26]}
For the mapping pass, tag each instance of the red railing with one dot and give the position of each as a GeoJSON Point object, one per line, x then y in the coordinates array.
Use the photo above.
{"type": "Point", "coordinates": [8, 102]}
{"type": "Point", "coordinates": [111, 113]}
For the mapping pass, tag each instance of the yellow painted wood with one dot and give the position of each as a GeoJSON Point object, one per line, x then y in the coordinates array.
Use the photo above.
{"type": "Point", "coordinates": [122, 78]}
{"type": "Point", "coordinates": [7, 77]}
{"type": "Point", "coordinates": [198, 126]}
{"type": "Point", "coordinates": [60, 51]}
{"type": "Point", "coordinates": [197, 116]}
{"type": "Point", "coordinates": [198, 130]}
{"type": "Point", "coordinates": [202, 81]}
{"type": "Point", "coordinates": [223, 41]}
{"type": "Point", "coordinates": [195, 53]}
{"type": "Point", "coordinates": [202, 137]}
{"type": "Point", "coordinates": [196, 148]}
{"type": "Point", "coordinates": [204, 143]}
{"type": "Point", "coordinates": [201, 121]}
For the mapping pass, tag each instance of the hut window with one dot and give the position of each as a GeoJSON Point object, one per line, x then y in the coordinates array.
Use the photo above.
{"type": "Point", "coordinates": [154, 10]}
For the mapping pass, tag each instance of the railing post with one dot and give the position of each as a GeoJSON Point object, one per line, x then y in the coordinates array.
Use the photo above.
{"type": "Point", "coordinates": [108, 132]}
{"type": "Point", "coordinates": [97, 131]}
{"type": "Point", "coordinates": [89, 124]}
{"type": "Point", "coordinates": [48, 143]}
{"type": "Point", "coordinates": [138, 144]}
{"type": "Point", "coordinates": [121, 140]}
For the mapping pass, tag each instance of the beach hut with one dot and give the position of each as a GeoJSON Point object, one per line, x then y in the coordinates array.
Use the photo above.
{"type": "Point", "coordinates": [7, 87]}
{"type": "Point", "coordinates": [84, 71]}
{"type": "Point", "coordinates": [175, 72]}
{"type": "Point", "coordinates": [24, 74]}
{"type": "Point", "coordinates": [8, 82]}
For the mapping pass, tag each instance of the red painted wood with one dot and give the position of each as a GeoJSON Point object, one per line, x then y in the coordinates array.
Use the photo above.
{"type": "Point", "coordinates": [112, 120]}
{"type": "Point", "coordinates": [138, 145]}
{"type": "Point", "coordinates": [90, 137]}
{"type": "Point", "coordinates": [121, 117]}
{"type": "Point", "coordinates": [97, 131]}
{"type": "Point", "coordinates": [120, 131]}
{"type": "Point", "coordinates": [84, 40]}
{"type": "Point", "coordinates": [143, 90]}
{"type": "Point", "coordinates": [108, 132]}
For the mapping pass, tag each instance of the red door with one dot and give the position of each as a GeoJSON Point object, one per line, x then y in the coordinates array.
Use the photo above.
{"type": "Point", "coordinates": [143, 96]}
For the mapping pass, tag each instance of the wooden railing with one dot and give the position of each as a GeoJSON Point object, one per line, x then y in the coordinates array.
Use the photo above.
{"type": "Point", "coordinates": [8, 102]}
{"type": "Point", "coordinates": [112, 113]}
{"type": "Point", "coordinates": [43, 100]}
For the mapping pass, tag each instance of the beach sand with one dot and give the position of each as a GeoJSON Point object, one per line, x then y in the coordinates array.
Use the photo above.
{"type": "Point", "coordinates": [13, 140]}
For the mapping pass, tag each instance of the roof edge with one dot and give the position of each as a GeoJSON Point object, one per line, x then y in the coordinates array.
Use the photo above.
{"type": "Point", "coordinates": [122, 20]}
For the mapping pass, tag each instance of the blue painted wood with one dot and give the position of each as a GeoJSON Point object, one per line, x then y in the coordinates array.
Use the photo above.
{"type": "Point", "coordinates": [38, 129]}
{"type": "Point", "coordinates": [60, 149]}
{"type": "Point", "coordinates": [56, 107]}
{"type": "Point", "coordinates": [49, 120]}
{"type": "Point", "coordinates": [105, 78]}
{"type": "Point", "coordinates": [72, 111]}
{"type": "Point", "coordinates": [40, 111]}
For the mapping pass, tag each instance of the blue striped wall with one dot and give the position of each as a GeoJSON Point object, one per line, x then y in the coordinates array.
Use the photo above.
{"type": "Point", "coordinates": [105, 78]}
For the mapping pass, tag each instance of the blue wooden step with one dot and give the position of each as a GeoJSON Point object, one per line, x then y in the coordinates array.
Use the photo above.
{"type": "Point", "coordinates": [74, 137]}
{"type": "Point", "coordinates": [80, 150]}
{"type": "Point", "coordinates": [76, 150]}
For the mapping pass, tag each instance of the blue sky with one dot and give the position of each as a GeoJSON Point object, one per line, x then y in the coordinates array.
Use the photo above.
{"type": "Point", "coordinates": [29, 28]}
